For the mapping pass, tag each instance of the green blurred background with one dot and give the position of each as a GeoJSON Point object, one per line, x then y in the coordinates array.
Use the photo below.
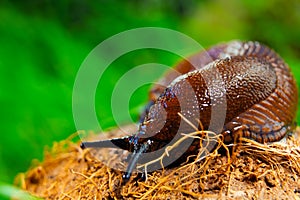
{"type": "Point", "coordinates": [43, 44]}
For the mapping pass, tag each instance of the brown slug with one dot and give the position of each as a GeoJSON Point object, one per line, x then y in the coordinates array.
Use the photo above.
{"type": "Point", "coordinates": [234, 89]}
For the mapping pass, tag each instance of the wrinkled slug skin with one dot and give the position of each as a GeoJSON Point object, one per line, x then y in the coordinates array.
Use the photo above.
{"type": "Point", "coordinates": [260, 92]}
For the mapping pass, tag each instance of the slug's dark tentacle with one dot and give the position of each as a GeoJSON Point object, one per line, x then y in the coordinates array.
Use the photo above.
{"type": "Point", "coordinates": [123, 143]}
{"type": "Point", "coordinates": [134, 160]}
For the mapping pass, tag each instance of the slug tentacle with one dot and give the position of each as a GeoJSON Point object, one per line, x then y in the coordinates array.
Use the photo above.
{"type": "Point", "coordinates": [246, 83]}
{"type": "Point", "coordinates": [123, 143]}
{"type": "Point", "coordinates": [134, 160]}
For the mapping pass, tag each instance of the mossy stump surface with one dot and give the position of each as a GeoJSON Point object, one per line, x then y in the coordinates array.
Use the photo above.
{"type": "Point", "coordinates": [252, 171]}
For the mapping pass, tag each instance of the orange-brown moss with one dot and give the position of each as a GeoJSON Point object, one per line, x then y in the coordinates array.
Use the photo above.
{"type": "Point", "coordinates": [253, 171]}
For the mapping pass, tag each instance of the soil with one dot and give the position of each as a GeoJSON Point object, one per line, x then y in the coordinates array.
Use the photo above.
{"type": "Point", "coordinates": [250, 170]}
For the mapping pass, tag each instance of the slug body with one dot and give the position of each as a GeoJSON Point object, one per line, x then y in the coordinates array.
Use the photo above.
{"type": "Point", "coordinates": [234, 89]}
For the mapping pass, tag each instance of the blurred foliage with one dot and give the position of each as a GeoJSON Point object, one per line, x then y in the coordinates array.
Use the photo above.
{"type": "Point", "coordinates": [44, 42]}
{"type": "Point", "coordinates": [11, 192]}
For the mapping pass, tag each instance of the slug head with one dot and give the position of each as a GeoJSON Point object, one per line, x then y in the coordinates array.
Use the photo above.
{"type": "Point", "coordinates": [129, 143]}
